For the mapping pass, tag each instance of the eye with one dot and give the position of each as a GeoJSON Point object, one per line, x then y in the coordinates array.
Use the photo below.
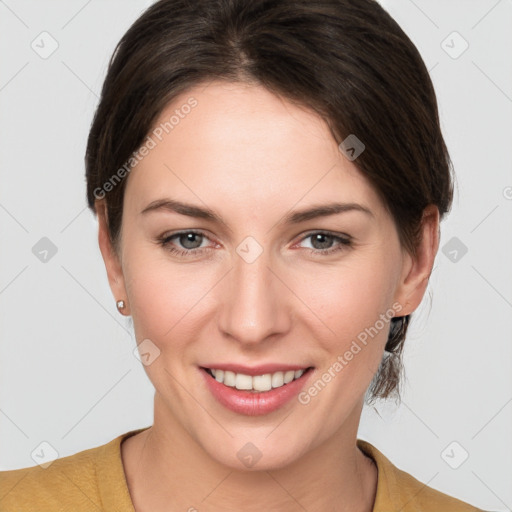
{"type": "Point", "coordinates": [190, 241]}
{"type": "Point", "coordinates": [322, 242]}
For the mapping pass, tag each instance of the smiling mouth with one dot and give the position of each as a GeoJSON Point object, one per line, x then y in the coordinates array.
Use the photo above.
{"type": "Point", "coordinates": [256, 383]}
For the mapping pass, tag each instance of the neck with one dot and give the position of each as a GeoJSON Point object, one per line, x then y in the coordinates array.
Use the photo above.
{"type": "Point", "coordinates": [165, 465]}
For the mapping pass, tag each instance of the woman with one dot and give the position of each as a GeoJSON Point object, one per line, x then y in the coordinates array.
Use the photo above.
{"type": "Point", "coordinates": [269, 178]}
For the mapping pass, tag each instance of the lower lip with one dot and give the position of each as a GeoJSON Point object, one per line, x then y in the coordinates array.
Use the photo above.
{"type": "Point", "coordinates": [254, 404]}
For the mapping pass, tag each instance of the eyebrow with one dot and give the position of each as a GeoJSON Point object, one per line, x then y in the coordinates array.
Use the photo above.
{"type": "Point", "coordinates": [294, 217]}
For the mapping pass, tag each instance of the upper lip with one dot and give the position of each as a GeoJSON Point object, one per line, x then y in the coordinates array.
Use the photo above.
{"type": "Point", "coordinates": [261, 369]}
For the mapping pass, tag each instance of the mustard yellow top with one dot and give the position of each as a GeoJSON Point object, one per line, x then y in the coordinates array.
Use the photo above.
{"type": "Point", "coordinates": [93, 480]}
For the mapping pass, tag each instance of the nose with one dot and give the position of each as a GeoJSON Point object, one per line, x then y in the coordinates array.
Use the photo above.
{"type": "Point", "coordinates": [255, 303]}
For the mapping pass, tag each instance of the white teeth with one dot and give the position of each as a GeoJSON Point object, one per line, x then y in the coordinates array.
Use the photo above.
{"type": "Point", "coordinates": [289, 376]}
{"type": "Point", "coordinates": [255, 383]}
{"type": "Point", "coordinates": [229, 378]}
{"type": "Point", "coordinates": [242, 381]}
{"type": "Point", "coordinates": [277, 379]}
{"type": "Point", "coordinates": [262, 382]}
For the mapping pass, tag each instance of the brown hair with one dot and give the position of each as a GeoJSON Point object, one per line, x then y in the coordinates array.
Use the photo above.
{"type": "Point", "coordinates": [347, 60]}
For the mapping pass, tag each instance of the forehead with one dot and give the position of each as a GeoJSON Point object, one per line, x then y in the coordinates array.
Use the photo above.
{"type": "Point", "coordinates": [239, 144]}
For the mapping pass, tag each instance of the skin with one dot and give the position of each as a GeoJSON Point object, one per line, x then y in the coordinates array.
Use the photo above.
{"type": "Point", "coordinates": [253, 157]}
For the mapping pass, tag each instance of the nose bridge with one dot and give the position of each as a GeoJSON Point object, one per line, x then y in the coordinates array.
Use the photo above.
{"type": "Point", "coordinates": [253, 305]}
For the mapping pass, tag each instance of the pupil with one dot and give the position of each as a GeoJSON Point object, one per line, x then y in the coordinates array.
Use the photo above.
{"type": "Point", "coordinates": [189, 238]}
{"type": "Point", "coordinates": [319, 237]}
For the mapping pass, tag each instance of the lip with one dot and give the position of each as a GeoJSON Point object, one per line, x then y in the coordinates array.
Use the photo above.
{"type": "Point", "coordinates": [261, 369]}
{"type": "Point", "coordinates": [255, 404]}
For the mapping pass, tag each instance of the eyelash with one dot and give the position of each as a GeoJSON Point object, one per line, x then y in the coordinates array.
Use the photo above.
{"type": "Point", "coordinates": [345, 243]}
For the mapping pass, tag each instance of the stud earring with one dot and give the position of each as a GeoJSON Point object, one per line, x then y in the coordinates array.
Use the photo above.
{"type": "Point", "coordinates": [120, 304]}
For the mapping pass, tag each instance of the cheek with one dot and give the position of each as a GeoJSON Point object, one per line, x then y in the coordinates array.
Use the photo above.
{"type": "Point", "coordinates": [166, 298]}
{"type": "Point", "coordinates": [354, 305]}
{"type": "Point", "coordinates": [348, 298]}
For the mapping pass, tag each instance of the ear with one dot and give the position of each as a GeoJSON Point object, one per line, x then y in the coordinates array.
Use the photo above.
{"type": "Point", "coordinates": [110, 257]}
{"type": "Point", "coordinates": [416, 269]}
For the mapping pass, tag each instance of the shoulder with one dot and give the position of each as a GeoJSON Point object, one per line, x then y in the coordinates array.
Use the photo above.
{"type": "Point", "coordinates": [68, 483]}
{"type": "Point", "coordinates": [398, 490]}
{"type": "Point", "coordinates": [68, 480]}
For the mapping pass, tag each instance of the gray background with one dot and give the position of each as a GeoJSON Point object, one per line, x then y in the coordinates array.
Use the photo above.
{"type": "Point", "coordinates": [68, 375]}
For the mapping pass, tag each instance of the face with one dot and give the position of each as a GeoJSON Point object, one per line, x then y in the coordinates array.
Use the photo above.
{"type": "Point", "coordinates": [256, 283]}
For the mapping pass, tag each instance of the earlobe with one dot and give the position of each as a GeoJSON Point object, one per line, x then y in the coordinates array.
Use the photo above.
{"type": "Point", "coordinates": [417, 268]}
{"type": "Point", "coordinates": [111, 259]}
